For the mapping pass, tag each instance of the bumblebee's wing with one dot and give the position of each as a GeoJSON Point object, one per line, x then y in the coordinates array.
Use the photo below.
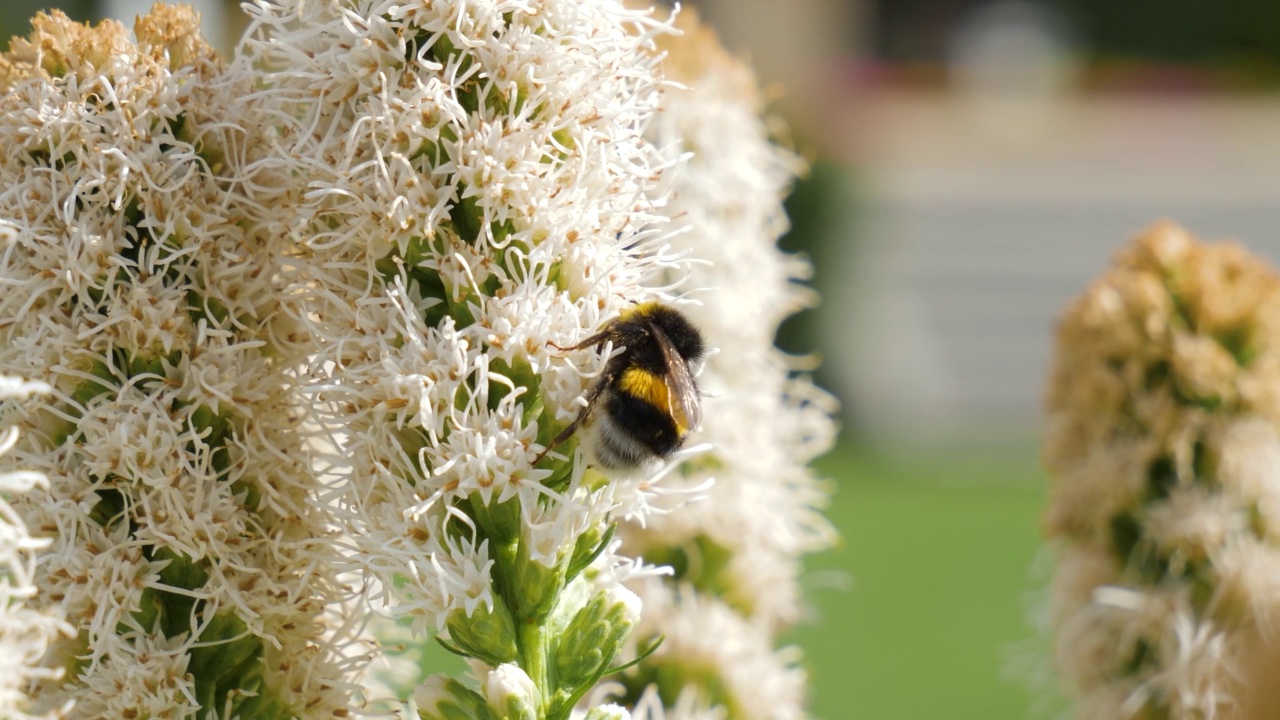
{"type": "Point", "coordinates": [682, 392]}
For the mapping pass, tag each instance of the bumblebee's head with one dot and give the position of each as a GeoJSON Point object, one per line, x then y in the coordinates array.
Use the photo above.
{"type": "Point", "coordinates": [684, 337]}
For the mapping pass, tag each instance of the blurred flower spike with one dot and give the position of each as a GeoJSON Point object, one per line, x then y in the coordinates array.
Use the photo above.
{"type": "Point", "coordinates": [736, 556]}
{"type": "Point", "coordinates": [1164, 443]}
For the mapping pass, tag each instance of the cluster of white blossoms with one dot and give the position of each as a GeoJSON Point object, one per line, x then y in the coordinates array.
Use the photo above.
{"type": "Point", "coordinates": [737, 553]}
{"type": "Point", "coordinates": [302, 319]}
{"type": "Point", "coordinates": [469, 186]}
{"type": "Point", "coordinates": [185, 553]}
{"type": "Point", "coordinates": [1164, 443]}
{"type": "Point", "coordinates": [26, 633]}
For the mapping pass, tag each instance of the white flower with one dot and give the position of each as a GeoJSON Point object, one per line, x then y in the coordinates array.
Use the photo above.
{"type": "Point", "coordinates": [454, 206]}
{"type": "Point", "coordinates": [184, 546]}
{"type": "Point", "coordinates": [116, 688]}
{"type": "Point", "coordinates": [690, 704]}
{"type": "Point", "coordinates": [719, 658]}
{"type": "Point", "coordinates": [469, 187]}
{"type": "Point", "coordinates": [608, 712]}
{"type": "Point", "coordinates": [25, 632]}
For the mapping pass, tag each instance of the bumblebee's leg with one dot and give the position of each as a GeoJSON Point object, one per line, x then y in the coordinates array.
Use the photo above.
{"type": "Point", "coordinates": [572, 427]}
{"type": "Point", "coordinates": [592, 341]}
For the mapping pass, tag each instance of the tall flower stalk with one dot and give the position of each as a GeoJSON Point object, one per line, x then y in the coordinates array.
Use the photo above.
{"type": "Point", "coordinates": [184, 550]}
{"type": "Point", "coordinates": [736, 554]}
{"type": "Point", "coordinates": [1164, 443]}
{"type": "Point", "coordinates": [469, 188]}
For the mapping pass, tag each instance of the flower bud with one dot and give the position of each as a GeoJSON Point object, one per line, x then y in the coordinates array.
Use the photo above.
{"type": "Point", "coordinates": [537, 584]}
{"type": "Point", "coordinates": [500, 520]}
{"type": "Point", "coordinates": [512, 694]}
{"type": "Point", "coordinates": [486, 634]}
{"type": "Point", "coordinates": [440, 697]}
{"type": "Point", "coordinates": [588, 546]}
{"type": "Point", "coordinates": [596, 634]}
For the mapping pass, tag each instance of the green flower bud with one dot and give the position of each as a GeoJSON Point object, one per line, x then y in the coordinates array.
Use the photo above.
{"type": "Point", "coordinates": [512, 694]}
{"type": "Point", "coordinates": [537, 585]}
{"type": "Point", "coordinates": [596, 634]}
{"type": "Point", "coordinates": [488, 635]}
{"type": "Point", "coordinates": [500, 521]}
{"type": "Point", "coordinates": [589, 546]}
{"type": "Point", "coordinates": [440, 697]}
{"type": "Point", "coordinates": [536, 588]}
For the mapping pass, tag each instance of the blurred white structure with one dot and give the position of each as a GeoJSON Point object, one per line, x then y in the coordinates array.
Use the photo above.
{"type": "Point", "coordinates": [1013, 62]}
{"type": "Point", "coordinates": [797, 49]}
{"type": "Point", "coordinates": [971, 237]}
{"type": "Point", "coordinates": [1013, 47]}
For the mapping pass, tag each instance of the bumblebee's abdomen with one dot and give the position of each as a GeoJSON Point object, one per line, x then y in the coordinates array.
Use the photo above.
{"type": "Point", "coordinates": [649, 388]}
{"type": "Point", "coordinates": [631, 432]}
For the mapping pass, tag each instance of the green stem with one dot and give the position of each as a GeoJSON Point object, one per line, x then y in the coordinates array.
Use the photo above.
{"type": "Point", "coordinates": [533, 656]}
{"type": "Point", "coordinates": [532, 641]}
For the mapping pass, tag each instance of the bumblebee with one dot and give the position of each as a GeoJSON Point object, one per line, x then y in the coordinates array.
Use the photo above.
{"type": "Point", "coordinates": [646, 402]}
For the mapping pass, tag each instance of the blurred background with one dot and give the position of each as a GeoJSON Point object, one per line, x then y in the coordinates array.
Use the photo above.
{"type": "Point", "coordinates": [974, 164]}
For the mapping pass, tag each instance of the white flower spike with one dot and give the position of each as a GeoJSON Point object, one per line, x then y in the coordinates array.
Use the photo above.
{"type": "Point", "coordinates": [183, 546]}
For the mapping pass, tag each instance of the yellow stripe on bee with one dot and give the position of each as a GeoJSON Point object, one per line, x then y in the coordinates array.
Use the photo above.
{"type": "Point", "coordinates": [653, 390]}
{"type": "Point", "coordinates": [644, 309]}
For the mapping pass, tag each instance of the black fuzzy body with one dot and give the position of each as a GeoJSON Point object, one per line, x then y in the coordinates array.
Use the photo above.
{"type": "Point", "coordinates": [629, 431]}
{"type": "Point", "coordinates": [632, 331]}
{"type": "Point", "coordinates": [632, 432]}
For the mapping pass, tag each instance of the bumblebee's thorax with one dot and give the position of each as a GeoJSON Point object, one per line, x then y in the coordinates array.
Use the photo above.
{"type": "Point", "coordinates": [640, 350]}
{"type": "Point", "coordinates": [632, 330]}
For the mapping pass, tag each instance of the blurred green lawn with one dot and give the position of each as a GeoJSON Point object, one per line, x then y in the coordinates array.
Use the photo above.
{"type": "Point", "coordinates": [936, 566]}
